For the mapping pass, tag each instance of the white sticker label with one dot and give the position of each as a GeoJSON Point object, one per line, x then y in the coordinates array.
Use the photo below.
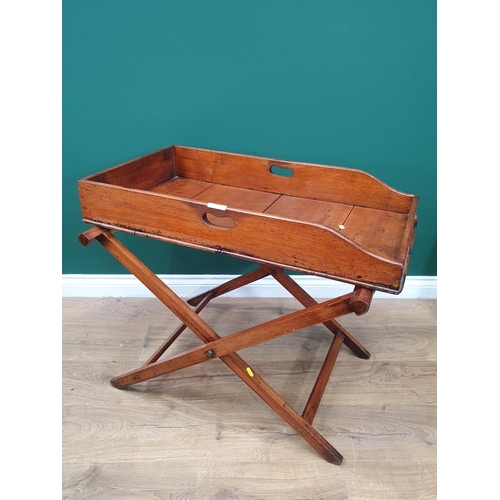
{"type": "Point", "coordinates": [216, 206]}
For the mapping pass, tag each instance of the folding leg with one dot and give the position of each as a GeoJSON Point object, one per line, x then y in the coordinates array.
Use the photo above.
{"type": "Point", "coordinates": [158, 353]}
{"type": "Point", "coordinates": [235, 283]}
{"type": "Point", "coordinates": [306, 300]}
{"type": "Point", "coordinates": [200, 301]}
{"type": "Point", "coordinates": [225, 348]}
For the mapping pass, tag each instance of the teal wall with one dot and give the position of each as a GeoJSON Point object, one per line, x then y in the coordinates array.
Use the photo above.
{"type": "Point", "coordinates": [339, 82]}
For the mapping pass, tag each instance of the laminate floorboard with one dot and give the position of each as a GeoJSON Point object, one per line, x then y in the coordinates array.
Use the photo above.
{"type": "Point", "coordinates": [200, 433]}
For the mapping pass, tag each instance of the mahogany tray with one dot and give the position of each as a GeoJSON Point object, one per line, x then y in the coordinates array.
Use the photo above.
{"type": "Point", "coordinates": [334, 222]}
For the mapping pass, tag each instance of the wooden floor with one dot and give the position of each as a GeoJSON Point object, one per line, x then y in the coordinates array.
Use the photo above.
{"type": "Point", "coordinates": [200, 433]}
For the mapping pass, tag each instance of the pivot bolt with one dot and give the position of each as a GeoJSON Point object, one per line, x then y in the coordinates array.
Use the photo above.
{"type": "Point", "coordinates": [210, 353]}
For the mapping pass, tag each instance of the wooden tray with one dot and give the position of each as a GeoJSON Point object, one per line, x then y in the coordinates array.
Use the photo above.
{"type": "Point", "coordinates": [333, 222]}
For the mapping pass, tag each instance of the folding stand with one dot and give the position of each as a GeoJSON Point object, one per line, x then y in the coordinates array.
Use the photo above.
{"type": "Point", "coordinates": [225, 348]}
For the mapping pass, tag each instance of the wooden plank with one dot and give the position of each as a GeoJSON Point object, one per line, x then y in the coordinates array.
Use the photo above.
{"type": "Point", "coordinates": [183, 188]}
{"type": "Point", "coordinates": [326, 213]}
{"type": "Point", "coordinates": [271, 473]}
{"type": "Point", "coordinates": [379, 231]}
{"type": "Point", "coordinates": [175, 335]}
{"type": "Point", "coordinates": [88, 237]}
{"type": "Point", "coordinates": [318, 182]}
{"type": "Point", "coordinates": [239, 198]}
{"type": "Point", "coordinates": [230, 285]}
{"type": "Point", "coordinates": [289, 368]}
{"type": "Point", "coordinates": [280, 241]}
{"type": "Point", "coordinates": [408, 235]}
{"type": "Point", "coordinates": [379, 432]}
{"type": "Point", "coordinates": [199, 435]}
{"type": "Point", "coordinates": [141, 173]}
{"type": "Point", "coordinates": [213, 476]}
{"type": "Point", "coordinates": [319, 388]}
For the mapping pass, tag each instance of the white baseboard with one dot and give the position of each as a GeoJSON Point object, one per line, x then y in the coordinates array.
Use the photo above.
{"type": "Point", "coordinates": [124, 285]}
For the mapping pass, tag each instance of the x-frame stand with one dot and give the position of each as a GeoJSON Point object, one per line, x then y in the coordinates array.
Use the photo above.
{"type": "Point", "coordinates": [225, 348]}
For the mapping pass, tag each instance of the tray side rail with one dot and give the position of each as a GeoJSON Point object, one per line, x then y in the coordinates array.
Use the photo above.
{"type": "Point", "coordinates": [249, 235]}
{"type": "Point", "coordinates": [141, 173]}
{"type": "Point", "coordinates": [306, 180]}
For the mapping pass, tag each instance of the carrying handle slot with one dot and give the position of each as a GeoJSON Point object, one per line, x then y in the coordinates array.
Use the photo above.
{"type": "Point", "coordinates": [281, 171]}
{"type": "Point", "coordinates": [218, 221]}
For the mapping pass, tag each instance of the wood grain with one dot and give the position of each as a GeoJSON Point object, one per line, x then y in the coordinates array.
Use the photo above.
{"type": "Point", "coordinates": [382, 231]}
{"type": "Point", "coordinates": [362, 229]}
{"type": "Point", "coordinates": [327, 214]}
{"type": "Point", "coordinates": [141, 173]}
{"type": "Point", "coordinates": [234, 197]}
{"type": "Point", "coordinates": [318, 182]}
{"type": "Point", "coordinates": [199, 434]}
{"type": "Point", "coordinates": [183, 188]}
{"type": "Point", "coordinates": [280, 240]}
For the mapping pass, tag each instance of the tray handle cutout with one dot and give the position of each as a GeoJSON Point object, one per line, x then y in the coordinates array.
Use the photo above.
{"type": "Point", "coordinates": [281, 171]}
{"type": "Point", "coordinates": [218, 221]}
